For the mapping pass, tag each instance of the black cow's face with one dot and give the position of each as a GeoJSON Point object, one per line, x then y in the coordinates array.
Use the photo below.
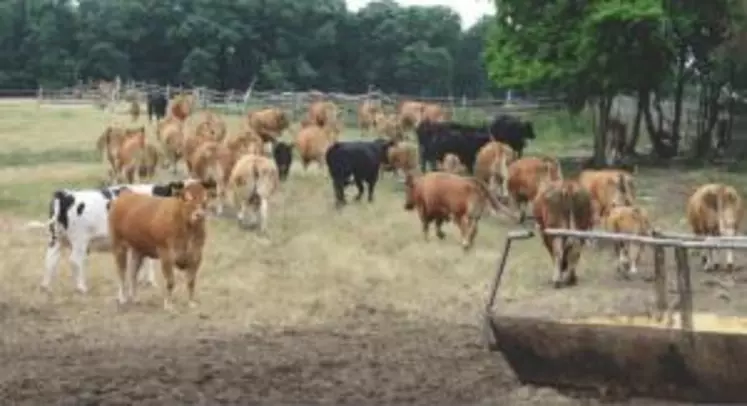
{"type": "Point", "coordinates": [528, 130]}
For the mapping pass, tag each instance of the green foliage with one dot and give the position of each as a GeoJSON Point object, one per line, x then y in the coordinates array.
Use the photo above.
{"type": "Point", "coordinates": [286, 44]}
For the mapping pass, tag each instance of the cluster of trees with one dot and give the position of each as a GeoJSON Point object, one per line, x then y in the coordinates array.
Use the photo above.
{"type": "Point", "coordinates": [592, 50]}
{"type": "Point", "coordinates": [285, 44]}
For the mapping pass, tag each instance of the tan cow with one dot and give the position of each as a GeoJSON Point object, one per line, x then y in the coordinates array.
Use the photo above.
{"type": "Point", "coordinates": [170, 134]}
{"type": "Point", "coordinates": [434, 113]}
{"type": "Point", "coordinates": [409, 114]}
{"type": "Point", "coordinates": [440, 197]}
{"type": "Point", "coordinates": [110, 141]}
{"type": "Point", "coordinates": [715, 210]}
{"type": "Point", "coordinates": [389, 126]}
{"type": "Point", "coordinates": [525, 178]}
{"type": "Point", "coordinates": [491, 166]}
{"type": "Point", "coordinates": [171, 229]}
{"type": "Point", "coordinates": [402, 157]}
{"type": "Point", "coordinates": [180, 107]}
{"type": "Point", "coordinates": [268, 123]}
{"type": "Point", "coordinates": [609, 188]}
{"type": "Point", "coordinates": [253, 180]}
{"type": "Point", "coordinates": [367, 112]}
{"type": "Point", "coordinates": [563, 204]}
{"type": "Point", "coordinates": [628, 220]}
{"type": "Point", "coordinates": [312, 143]}
{"type": "Point", "coordinates": [134, 110]}
{"type": "Point", "coordinates": [451, 164]}
{"type": "Point", "coordinates": [324, 113]}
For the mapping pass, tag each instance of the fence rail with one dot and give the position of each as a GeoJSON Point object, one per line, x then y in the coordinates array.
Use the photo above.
{"type": "Point", "coordinates": [661, 240]}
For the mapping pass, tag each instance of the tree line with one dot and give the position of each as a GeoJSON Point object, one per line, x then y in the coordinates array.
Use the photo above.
{"type": "Point", "coordinates": [226, 44]}
{"type": "Point", "coordinates": [593, 50]}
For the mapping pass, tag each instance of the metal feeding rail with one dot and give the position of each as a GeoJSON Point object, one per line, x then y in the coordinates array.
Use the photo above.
{"type": "Point", "coordinates": [681, 243]}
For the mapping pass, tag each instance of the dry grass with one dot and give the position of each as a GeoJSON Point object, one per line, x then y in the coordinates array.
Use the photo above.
{"type": "Point", "coordinates": [346, 279]}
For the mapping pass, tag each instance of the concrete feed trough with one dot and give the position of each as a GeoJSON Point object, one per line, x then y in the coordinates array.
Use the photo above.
{"type": "Point", "coordinates": [628, 359]}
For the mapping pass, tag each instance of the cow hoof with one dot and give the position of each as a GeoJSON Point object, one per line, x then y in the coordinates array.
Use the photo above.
{"type": "Point", "coordinates": [730, 267]}
{"type": "Point", "coordinates": [82, 290]}
{"type": "Point", "coordinates": [572, 280]}
{"type": "Point", "coordinates": [193, 304]}
{"type": "Point", "coordinates": [441, 235]}
{"type": "Point", "coordinates": [557, 284]}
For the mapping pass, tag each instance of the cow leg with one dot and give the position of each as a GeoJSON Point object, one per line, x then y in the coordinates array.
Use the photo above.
{"type": "Point", "coordinates": [78, 258]}
{"type": "Point", "coordinates": [464, 229]}
{"type": "Point", "coordinates": [559, 256]}
{"type": "Point", "coordinates": [439, 231]}
{"type": "Point", "coordinates": [339, 186]}
{"type": "Point", "coordinates": [622, 258]}
{"type": "Point", "coordinates": [634, 253]}
{"type": "Point", "coordinates": [707, 259]}
{"type": "Point", "coordinates": [167, 268]}
{"type": "Point", "coordinates": [263, 208]}
{"type": "Point", "coordinates": [52, 260]}
{"type": "Point", "coordinates": [425, 222]}
{"type": "Point", "coordinates": [191, 281]}
{"type": "Point", "coordinates": [359, 185]}
{"type": "Point", "coordinates": [371, 187]}
{"type": "Point", "coordinates": [120, 260]}
{"type": "Point", "coordinates": [472, 223]}
{"type": "Point", "coordinates": [150, 273]}
{"type": "Point", "coordinates": [572, 255]}
{"type": "Point", "coordinates": [522, 206]}
{"type": "Point", "coordinates": [423, 162]}
{"type": "Point", "coordinates": [133, 268]}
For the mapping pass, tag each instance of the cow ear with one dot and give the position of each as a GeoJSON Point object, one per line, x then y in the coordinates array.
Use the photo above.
{"type": "Point", "coordinates": [176, 188]}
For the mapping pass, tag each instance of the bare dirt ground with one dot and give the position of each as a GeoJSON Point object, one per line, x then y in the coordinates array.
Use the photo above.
{"type": "Point", "coordinates": [349, 307]}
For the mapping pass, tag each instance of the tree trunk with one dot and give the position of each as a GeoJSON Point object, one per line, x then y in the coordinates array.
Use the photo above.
{"type": "Point", "coordinates": [600, 140]}
{"type": "Point", "coordinates": [679, 91]}
{"type": "Point", "coordinates": [656, 135]}
{"type": "Point", "coordinates": [630, 147]}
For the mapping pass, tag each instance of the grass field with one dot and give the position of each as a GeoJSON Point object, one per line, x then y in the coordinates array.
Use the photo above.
{"type": "Point", "coordinates": [331, 307]}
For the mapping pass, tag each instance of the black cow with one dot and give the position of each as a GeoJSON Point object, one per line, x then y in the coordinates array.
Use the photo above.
{"type": "Point", "coordinates": [512, 131]}
{"type": "Point", "coordinates": [157, 103]}
{"type": "Point", "coordinates": [360, 160]}
{"type": "Point", "coordinates": [436, 139]}
{"type": "Point", "coordinates": [283, 154]}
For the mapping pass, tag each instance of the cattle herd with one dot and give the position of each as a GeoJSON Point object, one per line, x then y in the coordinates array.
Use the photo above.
{"type": "Point", "coordinates": [451, 174]}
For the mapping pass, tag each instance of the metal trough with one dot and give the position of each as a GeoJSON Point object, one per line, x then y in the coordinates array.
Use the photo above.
{"type": "Point", "coordinates": [686, 363]}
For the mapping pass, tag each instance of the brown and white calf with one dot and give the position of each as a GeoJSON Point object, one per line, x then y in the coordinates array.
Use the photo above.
{"type": "Point", "coordinates": [715, 210]}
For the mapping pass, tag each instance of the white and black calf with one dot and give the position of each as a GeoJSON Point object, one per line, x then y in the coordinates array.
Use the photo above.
{"type": "Point", "coordinates": [79, 219]}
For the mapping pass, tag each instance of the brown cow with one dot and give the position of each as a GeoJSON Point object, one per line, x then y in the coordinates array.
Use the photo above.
{"type": "Point", "coordinates": [563, 204]}
{"type": "Point", "coordinates": [434, 113]}
{"type": "Point", "coordinates": [491, 166]}
{"type": "Point", "coordinates": [253, 180]}
{"type": "Point", "coordinates": [171, 229]}
{"type": "Point", "coordinates": [180, 107]}
{"type": "Point", "coordinates": [525, 178]}
{"type": "Point", "coordinates": [410, 113]}
{"type": "Point", "coordinates": [110, 141]}
{"type": "Point", "coordinates": [609, 188]}
{"type": "Point", "coordinates": [324, 113]}
{"type": "Point", "coordinates": [170, 133]}
{"type": "Point", "coordinates": [389, 126]}
{"type": "Point", "coordinates": [451, 164]}
{"type": "Point", "coordinates": [312, 143]}
{"type": "Point", "coordinates": [715, 210]}
{"type": "Point", "coordinates": [367, 112]}
{"type": "Point", "coordinates": [402, 157]}
{"type": "Point", "coordinates": [268, 123]}
{"type": "Point", "coordinates": [440, 197]}
{"type": "Point", "coordinates": [628, 220]}
{"type": "Point", "coordinates": [134, 110]}
{"type": "Point", "coordinates": [134, 159]}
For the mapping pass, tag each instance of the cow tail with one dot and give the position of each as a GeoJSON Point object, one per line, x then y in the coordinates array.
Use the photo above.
{"type": "Point", "coordinates": [485, 194]}
{"type": "Point", "coordinates": [54, 215]}
{"type": "Point", "coordinates": [254, 193]}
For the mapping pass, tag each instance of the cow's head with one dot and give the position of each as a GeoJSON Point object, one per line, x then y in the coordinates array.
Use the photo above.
{"type": "Point", "coordinates": [195, 195]}
{"type": "Point", "coordinates": [283, 154]}
{"type": "Point", "coordinates": [409, 191]}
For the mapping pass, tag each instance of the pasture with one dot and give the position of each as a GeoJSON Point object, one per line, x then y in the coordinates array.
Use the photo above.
{"type": "Point", "coordinates": [350, 306]}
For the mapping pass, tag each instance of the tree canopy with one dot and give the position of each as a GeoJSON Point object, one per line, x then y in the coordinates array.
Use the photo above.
{"type": "Point", "coordinates": [286, 44]}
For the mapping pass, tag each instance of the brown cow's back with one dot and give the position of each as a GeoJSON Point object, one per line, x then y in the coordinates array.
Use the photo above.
{"type": "Point", "coordinates": [526, 176]}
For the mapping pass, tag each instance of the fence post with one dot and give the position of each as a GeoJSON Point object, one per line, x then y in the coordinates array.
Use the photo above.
{"type": "Point", "coordinates": [684, 288]}
{"type": "Point", "coordinates": [660, 282]}
{"type": "Point", "coordinates": [39, 96]}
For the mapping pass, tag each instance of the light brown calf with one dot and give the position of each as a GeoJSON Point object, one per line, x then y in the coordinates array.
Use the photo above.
{"type": "Point", "coordinates": [137, 160]}
{"type": "Point", "coordinates": [253, 180]}
{"type": "Point", "coordinates": [388, 125]}
{"type": "Point", "coordinates": [525, 178]}
{"type": "Point", "coordinates": [111, 140]}
{"type": "Point", "coordinates": [324, 114]}
{"type": "Point", "coordinates": [367, 112]}
{"type": "Point", "coordinates": [715, 210]}
{"type": "Point", "coordinates": [268, 123]}
{"type": "Point", "coordinates": [312, 143]}
{"type": "Point", "coordinates": [170, 134]}
{"type": "Point", "coordinates": [180, 107]}
{"type": "Point", "coordinates": [134, 110]}
{"type": "Point", "coordinates": [171, 229]}
{"type": "Point", "coordinates": [491, 166]}
{"type": "Point", "coordinates": [409, 114]}
{"type": "Point", "coordinates": [563, 204]}
{"type": "Point", "coordinates": [402, 157]}
{"type": "Point", "coordinates": [440, 197]}
{"type": "Point", "coordinates": [609, 188]}
{"type": "Point", "coordinates": [628, 220]}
